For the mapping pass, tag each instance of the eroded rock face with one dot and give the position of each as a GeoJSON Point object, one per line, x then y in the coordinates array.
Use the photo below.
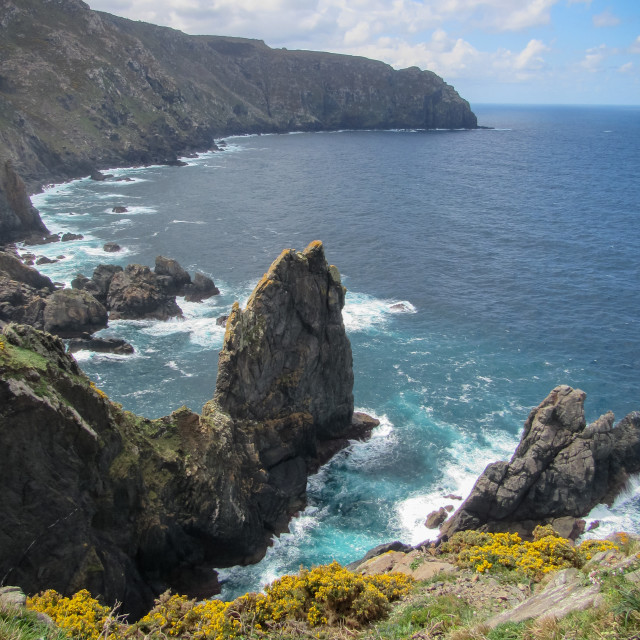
{"type": "Point", "coordinates": [137, 293]}
{"type": "Point", "coordinates": [18, 218]}
{"type": "Point", "coordinates": [128, 507]}
{"type": "Point", "coordinates": [287, 352]}
{"type": "Point", "coordinates": [70, 313]}
{"type": "Point", "coordinates": [561, 469]}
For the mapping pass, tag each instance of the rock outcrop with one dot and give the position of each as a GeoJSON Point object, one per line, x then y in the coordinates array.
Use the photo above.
{"type": "Point", "coordinates": [128, 507]}
{"type": "Point", "coordinates": [287, 353]}
{"type": "Point", "coordinates": [70, 313]}
{"type": "Point", "coordinates": [137, 292]}
{"type": "Point", "coordinates": [18, 218]}
{"type": "Point", "coordinates": [561, 469]}
{"type": "Point", "coordinates": [83, 90]}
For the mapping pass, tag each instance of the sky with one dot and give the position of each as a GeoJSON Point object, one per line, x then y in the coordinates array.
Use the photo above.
{"type": "Point", "coordinates": [491, 51]}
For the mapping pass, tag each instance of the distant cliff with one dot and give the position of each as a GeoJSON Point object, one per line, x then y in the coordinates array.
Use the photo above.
{"type": "Point", "coordinates": [82, 90]}
{"type": "Point", "coordinates": [96, 497]}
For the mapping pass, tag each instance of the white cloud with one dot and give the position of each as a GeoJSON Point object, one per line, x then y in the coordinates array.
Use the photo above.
{"type": "Point", "coordinates": [593, 57]}
{"type": "Point", "coordinates": [626, 68]}
{"type": "Point", "coordinates": [605, 19]}
{"type": "Point", "coordinates": [635, 46]}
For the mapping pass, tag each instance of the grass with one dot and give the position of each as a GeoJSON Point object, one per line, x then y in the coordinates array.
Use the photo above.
{"type": "Point", "coordinates": [17, 623]}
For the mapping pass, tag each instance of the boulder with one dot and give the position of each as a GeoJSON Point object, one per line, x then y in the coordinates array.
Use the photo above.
{"type": "Point", "coordinates": [101, 345]}
{"type": "Point", "coordinates": [221, 321]}
{"type": "Point", "coordinates": [200, 289]}
{"type": "Point", "coordinates": [111, 247]}
{"type": "Point", "coordinates": [176, 278]}
{"type": "Point", "coordinates": [561, 469]}
{"type": "Point", "coordinates": [68, 237]}
{"type": "Point", "coordinates": [436, 518]}
{"type": "Point", "coordinates": [71, 312]}
{"type": "Point", "coordinates": [21, 303]}
{"type": "Point", "coordinates": [45, 260]}
{"type": "Point", "coordinates": [12, 268]}
{"type": "Point", "coordinates": [136, 293]}
{"type": "Point", "coordinates": [119, 210]}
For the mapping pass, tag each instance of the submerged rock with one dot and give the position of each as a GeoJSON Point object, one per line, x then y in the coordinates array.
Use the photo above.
{"type": "Point", "coordinates": [561, 469]}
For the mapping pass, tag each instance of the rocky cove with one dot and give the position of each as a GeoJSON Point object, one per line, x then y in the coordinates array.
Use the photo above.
{"type": "Point", "coordinates": [128, 507]}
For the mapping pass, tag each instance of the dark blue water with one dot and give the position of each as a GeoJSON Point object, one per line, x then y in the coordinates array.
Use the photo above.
{"type": "Point", "coordinates": [514, 249]}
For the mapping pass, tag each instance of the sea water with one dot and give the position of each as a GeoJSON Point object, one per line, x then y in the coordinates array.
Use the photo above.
{"type": "Point", "coordinates": [513, 250]}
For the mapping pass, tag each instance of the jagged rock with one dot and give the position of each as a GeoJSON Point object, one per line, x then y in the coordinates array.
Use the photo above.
{"type": "Point", "coordinates": [98, 176]}
{"type": "Point", "coordinates": [287, 353]}
{"type": "Point", "coordinates": [101, 345]}
{"type": "Point", "coordinates": [200, 289]}
{"type": "Point", "coordinates": [128, 507]}
{"type": "Point", "coordinates": [176, 278]}
{"type": "Point", "coordinates": [137, 293]}
{"type": "Point", "coordinates": [119, 210]}
{"type": "Point", "coordinates": [68, 237]}
{"type": "Point", "coordinates": [18, 218]}
{"type": "Point", "coordinates": [71, 312]}
{"type": "Point", "coordinates": [436, 518]}
{"type": "Point", "coordinates": [559, 472]}
{"type": "Point", "coordinates": [22, 303]}
{"type": "Point", "coordinates": [45, 260]}
{"type": "Point", "coordinates": [111, 247]}
{"type": "Point", "coordinates": [12, 268]}
{"type": "Point", "coordinates": [101, 280]}
{"type": "Point", "coordinates": [35, 240]}
{"type": "Point", "coordinates": [221, 321]}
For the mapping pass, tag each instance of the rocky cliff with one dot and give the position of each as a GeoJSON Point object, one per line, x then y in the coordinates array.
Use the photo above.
{"type": "Point", "coordinates": [96, 497]}
{"type": "Point", "coordinates": [18, 218]}
{"type": "Point", "coordinates": [561, 469]}
{"type": "Point", "coordinates": [80, 90]}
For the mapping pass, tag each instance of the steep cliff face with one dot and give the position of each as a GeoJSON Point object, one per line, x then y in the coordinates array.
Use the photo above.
{"type": "Point", "coordinates": [561, 469]}
{"type": "Point", "coordinates": [97, 497]}
{"type": "Point", "coordinates": [18, 218]}
{"type": "Point", "coordinates": [81, 90]}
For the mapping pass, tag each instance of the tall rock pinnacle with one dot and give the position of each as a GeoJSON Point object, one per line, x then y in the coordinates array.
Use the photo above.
{"type": "Point", "coordinates": [287, 353]}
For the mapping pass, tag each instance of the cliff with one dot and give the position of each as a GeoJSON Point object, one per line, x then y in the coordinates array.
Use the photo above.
{"type": "Point", "coordinates": [82, 90]}
{"type": "Point", "coordinates": [96, 497]}
{"type": "Point", "coordinates": [18, 218]}
{"type": "Point", "coordinates": [561, 470]}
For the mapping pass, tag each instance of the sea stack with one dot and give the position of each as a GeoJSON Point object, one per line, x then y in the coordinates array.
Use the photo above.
{"type": "Point", "coordinates": [96, 497]}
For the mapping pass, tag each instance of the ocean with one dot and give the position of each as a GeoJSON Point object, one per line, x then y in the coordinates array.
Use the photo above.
{"type": "Point", "coordinates": [514, 251]}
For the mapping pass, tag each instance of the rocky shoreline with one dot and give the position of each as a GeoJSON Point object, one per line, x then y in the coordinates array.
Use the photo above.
{"type": "Point", "coordinates": [128, 507]}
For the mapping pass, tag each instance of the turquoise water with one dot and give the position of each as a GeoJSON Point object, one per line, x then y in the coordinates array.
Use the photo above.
{"type": "Point", "coordinates": [515, 251]}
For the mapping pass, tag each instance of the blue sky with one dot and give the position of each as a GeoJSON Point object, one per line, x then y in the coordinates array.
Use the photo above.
{"type": "Point", "coordinates": [501, 51]}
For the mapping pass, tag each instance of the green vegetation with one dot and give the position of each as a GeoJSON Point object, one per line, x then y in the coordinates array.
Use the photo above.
{"type": "Point", "coordinates": [18, 623]}
{"type": "Point", "coordinates": [331, 602]}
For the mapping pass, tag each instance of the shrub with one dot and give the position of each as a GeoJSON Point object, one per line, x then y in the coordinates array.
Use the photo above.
{"type": "Point", "coordinates": [547, 552]}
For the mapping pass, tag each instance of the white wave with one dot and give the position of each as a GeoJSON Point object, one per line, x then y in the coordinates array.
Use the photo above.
{"type": "Point", "coordinates": [132, 211]}
{"type": "Point", "coordinates": [362, 312]}
{"type": "Point", "coordinates": [187, 222]}
{"type": "Point", "coordinates": [197, 322]}
{"type": "Point", "coordinates": [623, 515]}
{"type": "Point", "coordinates": [284, 553]}
{"type": "Point", "coordinates": [173, 365]}
{"type": "Point", "coordinates": [467, 460]}
{"type": "Point", "coordinates": [97, 356]}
